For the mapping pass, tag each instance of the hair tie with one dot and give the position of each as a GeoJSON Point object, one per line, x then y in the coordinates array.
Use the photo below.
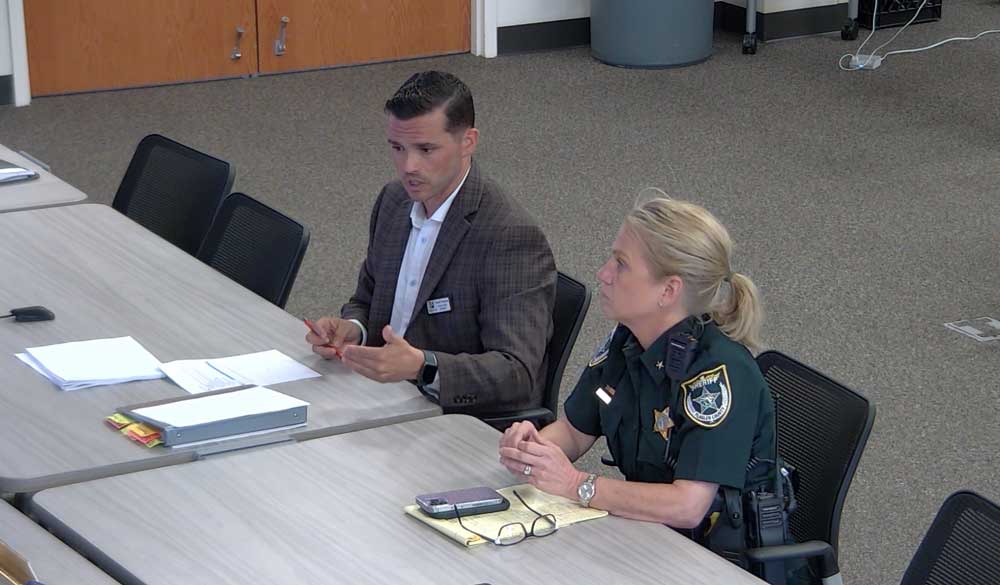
{"type": "Point", "coordinates": [728, 277]}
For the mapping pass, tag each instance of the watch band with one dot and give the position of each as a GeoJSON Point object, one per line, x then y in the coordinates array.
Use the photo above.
{"type": "Point", "coordinates": [587, 490]}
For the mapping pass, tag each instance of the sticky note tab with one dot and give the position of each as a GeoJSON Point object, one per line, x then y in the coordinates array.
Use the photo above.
{"type": "Point", "coordinates": [118, 421]}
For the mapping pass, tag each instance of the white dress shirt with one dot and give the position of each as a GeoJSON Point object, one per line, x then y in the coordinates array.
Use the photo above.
{"type": "Point", "coordinates": [423, 235]}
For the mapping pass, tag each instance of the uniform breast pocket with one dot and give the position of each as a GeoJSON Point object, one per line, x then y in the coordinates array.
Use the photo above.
{"type": "Point", "coordinates": [652, 447]}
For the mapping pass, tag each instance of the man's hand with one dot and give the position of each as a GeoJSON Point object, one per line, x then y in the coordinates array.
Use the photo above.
{"type": "Point", "coordinates": [396, 361]}
{"type": "Point", "coordinates": [337, 334]}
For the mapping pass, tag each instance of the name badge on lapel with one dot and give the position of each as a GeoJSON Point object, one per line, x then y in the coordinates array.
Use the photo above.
{"type": "Point", "coordinates": [435, 306]}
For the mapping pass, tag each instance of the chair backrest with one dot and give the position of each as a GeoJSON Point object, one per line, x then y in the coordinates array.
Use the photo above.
{"type": "Point", "coordinates": [572, 303]}
{"type": "Point", "coordinates": [823, 427]}
{"type": "Point", "coordinates": [173, 190]}
{"type": "Point", "coordinates": [256, 246]}
{"type": "Point", "coordinates": [962, 545]}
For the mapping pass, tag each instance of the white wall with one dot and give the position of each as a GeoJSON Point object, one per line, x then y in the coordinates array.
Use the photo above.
{"type": "Point", "coordinates": [769, 6]}
{"type": "Point", "coordinates": [18, 52]}
{"type": "Point", "coordinates": [488, 15]}
{"type": "Point", "coordinates": [6, 66]}
{"type": "Point", "coordinates": [515, 12]}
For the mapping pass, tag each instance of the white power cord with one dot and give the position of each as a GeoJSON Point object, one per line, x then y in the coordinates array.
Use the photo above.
{"type": "Point", "coordinates": [873, 60]}
{"type": "Point", "coordinates": [939, 43]}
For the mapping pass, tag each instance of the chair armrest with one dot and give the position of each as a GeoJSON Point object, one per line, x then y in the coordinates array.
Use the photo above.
{"type": "Point", "coordinates": [540, 416]}
{"type": "Point", "coordinates": [800, 550]}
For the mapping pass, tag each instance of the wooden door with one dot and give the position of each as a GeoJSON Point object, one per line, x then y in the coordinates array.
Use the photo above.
{"type": "Point", "coordinates": [326, 33]}
{"type": "Point", "coordinates": [81, 45]}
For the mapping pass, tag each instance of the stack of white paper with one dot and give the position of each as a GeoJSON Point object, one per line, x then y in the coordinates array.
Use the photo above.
{"type": "Point", "coordinates": [99, 362]}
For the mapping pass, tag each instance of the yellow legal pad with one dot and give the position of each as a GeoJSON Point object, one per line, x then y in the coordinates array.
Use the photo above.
{"type": "Point", "coordinates": [567, 512]}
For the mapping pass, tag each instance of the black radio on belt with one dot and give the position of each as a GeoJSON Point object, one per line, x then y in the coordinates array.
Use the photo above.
{"type": "Point", "coordinates": [765, 515]}
{"type": "Point", "coordinates": [680, 353]}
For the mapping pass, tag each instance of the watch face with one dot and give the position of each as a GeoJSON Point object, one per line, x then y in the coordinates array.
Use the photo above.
{"type": "Point", "coordinates": [429, 371]}
{"type": "Point", "coordinates": [585, 491]}
{"type": "Point", "coordinates": [427, 374]}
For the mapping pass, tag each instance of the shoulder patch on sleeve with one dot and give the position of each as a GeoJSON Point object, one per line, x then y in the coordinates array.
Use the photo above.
{"type": "Point", "coordinates": [603, 348]}
{"type": "Point", "coordinates": [708, 397]}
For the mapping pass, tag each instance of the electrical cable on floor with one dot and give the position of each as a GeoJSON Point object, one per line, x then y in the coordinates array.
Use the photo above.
{"type": "Point", "coordinates": [855, 57]}
{"type": "Point", "coordinates": [859, 61]}
{"type": "Point", "coordinates": [939, 43]}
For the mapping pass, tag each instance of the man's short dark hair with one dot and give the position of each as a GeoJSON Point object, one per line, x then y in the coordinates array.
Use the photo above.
{"type": "Point", "coordinates": [429, 90]}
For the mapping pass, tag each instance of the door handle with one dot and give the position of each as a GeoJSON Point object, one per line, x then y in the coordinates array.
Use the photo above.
{"type": "Point", "coordinates": [279, 45]}
{"type": "Point", "coordinates": [236, 54]}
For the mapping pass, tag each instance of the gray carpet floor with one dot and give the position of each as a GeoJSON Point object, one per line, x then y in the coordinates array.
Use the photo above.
{"type": "Point", "coordinates": [865, 205]}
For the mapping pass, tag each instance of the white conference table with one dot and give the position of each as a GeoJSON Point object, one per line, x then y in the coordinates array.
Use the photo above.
{"type": "Point", "coordinates": [103, 275]}
{"type": "Point", "coordinates": [54, 563]}
{"type": "Point", "coordinates": [45, 191]}
{"type": "Point", "coordinates": [330, 511]}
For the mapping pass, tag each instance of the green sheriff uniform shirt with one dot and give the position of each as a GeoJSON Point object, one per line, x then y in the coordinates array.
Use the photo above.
{"type": "Point", "coordinates": [718, 413]}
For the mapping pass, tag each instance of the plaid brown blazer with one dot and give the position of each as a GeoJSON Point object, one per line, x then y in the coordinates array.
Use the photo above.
{"type": "Point", "coordinates": [492, 261]}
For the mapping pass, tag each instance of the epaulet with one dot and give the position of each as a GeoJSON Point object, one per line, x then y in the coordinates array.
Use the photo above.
{"type": "Point", "coordinates": [601, 353]}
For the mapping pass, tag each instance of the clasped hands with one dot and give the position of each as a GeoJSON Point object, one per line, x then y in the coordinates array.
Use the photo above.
{"type": "Point", "coordinates": [395, 361]}
{"type": "Point", "coordinates": [550, 469]}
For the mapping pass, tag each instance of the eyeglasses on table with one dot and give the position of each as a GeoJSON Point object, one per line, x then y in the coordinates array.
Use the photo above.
{"type": "Point", "coordinates": [515, 532]}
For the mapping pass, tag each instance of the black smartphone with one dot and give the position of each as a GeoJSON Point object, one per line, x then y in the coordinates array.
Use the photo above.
{"type": "Point", "coordinates": [469, 501]}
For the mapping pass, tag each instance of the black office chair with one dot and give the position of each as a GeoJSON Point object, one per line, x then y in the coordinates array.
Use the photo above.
{"type": "Point", "coordinates": [961, 547]}
{"type": "Point", "coordinates": [173, 190]}
{"type": "Point", "coordinates": [823, 427]}
{"type": "Point", "coordinates": [572, 303]}
{"type": "Point", "coordinates": [256, 246]}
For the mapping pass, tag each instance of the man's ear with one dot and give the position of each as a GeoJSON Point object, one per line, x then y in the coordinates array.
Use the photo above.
{"type": "Point", "coordinates": [470, 139]}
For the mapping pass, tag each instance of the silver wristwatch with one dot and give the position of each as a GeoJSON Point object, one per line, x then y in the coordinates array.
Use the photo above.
{"type": "Point", "coordinates": [586, 490]}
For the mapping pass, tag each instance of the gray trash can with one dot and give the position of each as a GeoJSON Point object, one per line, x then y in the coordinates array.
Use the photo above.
{"type": "Point", "coordinates": [651, 33]}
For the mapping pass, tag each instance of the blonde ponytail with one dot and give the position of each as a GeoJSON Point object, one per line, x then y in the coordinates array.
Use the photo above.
{"type": "Point", "coordinates": [740, 315]}
{"type": "Point", "coordinates": [686, 240]}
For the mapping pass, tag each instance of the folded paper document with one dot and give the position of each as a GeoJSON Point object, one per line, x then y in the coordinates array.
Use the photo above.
{"type": "Point", "coordinates": [98, 362]}
{"type": "Point", "coordinates": [11, 173]}
{"type": "Point", "coordinates": [263, 368]}
{"type": "Point", "coordinates": [197, 376]}
{"type": "Point", "coordinates": [567, 512]}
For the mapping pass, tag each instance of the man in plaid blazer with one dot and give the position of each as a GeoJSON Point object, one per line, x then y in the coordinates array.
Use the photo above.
{"type": "Point", "coordinates": [458, 286]}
